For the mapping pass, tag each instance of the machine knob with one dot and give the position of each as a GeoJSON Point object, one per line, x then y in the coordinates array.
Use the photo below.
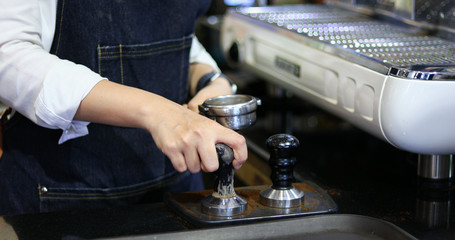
{"type": "Point", "coordinates": [282, 159]}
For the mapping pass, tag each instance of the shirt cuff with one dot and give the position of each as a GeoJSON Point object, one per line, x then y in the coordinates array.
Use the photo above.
{"type": "Point", "coordinates": [75, 130]}
{"type": "Point", "coordinates": [65, 86]}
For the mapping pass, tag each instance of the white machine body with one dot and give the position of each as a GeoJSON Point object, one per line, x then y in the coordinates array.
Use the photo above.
{"type": "Point", "coordinates": [412, 114]}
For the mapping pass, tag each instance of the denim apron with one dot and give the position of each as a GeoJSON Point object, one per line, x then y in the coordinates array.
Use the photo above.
{"type": "Point", "coordinates": [140, 43]}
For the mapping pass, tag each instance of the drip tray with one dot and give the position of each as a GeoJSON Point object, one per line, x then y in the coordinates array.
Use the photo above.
{"type": "Point", "coordinates": [188, 205]}
{"type": "Point", "coordinates": [321, 227]}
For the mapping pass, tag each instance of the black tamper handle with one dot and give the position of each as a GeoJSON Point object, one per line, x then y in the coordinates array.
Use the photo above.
{"type": "Point", "coordinates": [282, 159]}
{"type": "Point", "coordinates": [224, 178]}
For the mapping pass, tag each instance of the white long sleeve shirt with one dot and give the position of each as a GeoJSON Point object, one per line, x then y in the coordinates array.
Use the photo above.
{"type": "Point", "coordinates": [39, 85]}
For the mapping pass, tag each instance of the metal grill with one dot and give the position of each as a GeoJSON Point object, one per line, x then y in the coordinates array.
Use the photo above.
{"type": "Point", "coordinates": [382, 42]}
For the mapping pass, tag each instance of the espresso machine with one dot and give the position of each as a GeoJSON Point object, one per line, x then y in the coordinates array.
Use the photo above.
{"type": "Point", "coordinates": [385, 66]}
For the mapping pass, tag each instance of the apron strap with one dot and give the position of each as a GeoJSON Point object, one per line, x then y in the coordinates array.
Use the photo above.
{"type": "Point", "coordinates": [1, 139]}
{"type": "Point", "coordinates": [3, 116]}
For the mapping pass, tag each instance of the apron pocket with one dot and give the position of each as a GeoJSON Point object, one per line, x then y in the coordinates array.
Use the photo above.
{"type": "Point", "coordinates": [159, 67]}
{"type": "Point", "coordinates": [57, 199]}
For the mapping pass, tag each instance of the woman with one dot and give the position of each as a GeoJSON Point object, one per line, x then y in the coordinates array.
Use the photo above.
{"type": "Point", "coordinates": [126, 68]}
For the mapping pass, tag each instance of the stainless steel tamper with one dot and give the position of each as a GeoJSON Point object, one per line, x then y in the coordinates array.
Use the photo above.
{"type": "Point", "coordinates": [224, 201]}
{"type": "Point", "coordinates": [282, 194]}
{"type": "Point", "coordinates": [235, 112]}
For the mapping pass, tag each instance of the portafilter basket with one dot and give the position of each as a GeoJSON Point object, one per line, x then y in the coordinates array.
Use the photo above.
{"type": "Point", "coordinates": [232, 111]}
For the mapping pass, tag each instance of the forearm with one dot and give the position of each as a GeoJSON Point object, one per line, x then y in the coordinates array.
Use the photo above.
{"type": "Point", "coordinates": [119, 105]}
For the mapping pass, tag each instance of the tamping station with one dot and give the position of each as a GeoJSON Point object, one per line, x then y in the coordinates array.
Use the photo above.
{"type": "Point", "coordinates": [226, 205]}
{"type": "Point", "coordinates": [235, 112]}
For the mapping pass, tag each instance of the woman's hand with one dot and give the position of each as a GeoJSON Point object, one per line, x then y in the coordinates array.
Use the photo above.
{"type": "Point", "coordinates": [189, 139]}
{"type": "Point", "coordinates": [217, 87]}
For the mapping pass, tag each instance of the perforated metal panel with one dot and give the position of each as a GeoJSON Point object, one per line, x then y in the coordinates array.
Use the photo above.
{"type": "Point", "coordinates": [376, 41]}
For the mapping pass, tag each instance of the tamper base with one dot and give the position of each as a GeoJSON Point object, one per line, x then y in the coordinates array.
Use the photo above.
{"type": "Point", "coordinates": [224, 207]}
{"type": "Point", "coordinates": [279, 198]}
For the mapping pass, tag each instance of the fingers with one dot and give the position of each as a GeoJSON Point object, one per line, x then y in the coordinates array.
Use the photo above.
{"type": "Point", "coordinates": [189, 142]}
{"type": "Point", "coordinates": [238, 144]}
{"type": "Point", "coordinates": [203, 155]}
{"type": "Point", "coordinates": [183, 155]}
{"type": "Point", "coordinates": [190, 160]}
{"type": "Point", "coordinates": [209, 157]}
{"type": "Point", "coordinates": [176, 157]}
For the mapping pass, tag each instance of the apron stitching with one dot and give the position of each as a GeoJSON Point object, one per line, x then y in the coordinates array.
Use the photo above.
{"type": "Point", "coordinates": [126, 53]}
{"type": "Point", "coordinates": [86, 197]}
{"type": "Point", "coordinates": [182, 63]}
{"type": "Point", "coordinates": [106, 194]}
{"type": "Point", "coordinates": [39, 195]}
{"type": "Point", "coordinates": [99, 59]}
{"type": "Point", "coordinates": [146, 50]}
{"type": "Point", "coordinates": [121, 64]}
{"type": "Point", "coordinates": [50, 195]}
{"type": "Point", "coordinates": [177, 44]}
{"type": "Point", "coordinates": [60, 28]}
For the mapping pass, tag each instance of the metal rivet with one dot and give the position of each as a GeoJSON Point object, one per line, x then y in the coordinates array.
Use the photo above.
{"type": "Point", "coordinates": [43, 190]}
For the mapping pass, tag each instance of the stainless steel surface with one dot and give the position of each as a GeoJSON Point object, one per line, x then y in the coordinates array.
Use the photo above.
{"type": "Point", "coordinates": [223, 207]}
{"type": "Point", "coordinates": [415, 10]}
{"type": "Point", "coordinates": [233, 111]}
{"type": "Point", "coordinates": [374, 44]}
{"type": "Point", "coordinates": [433, 213]}
{"type": "Point", "coordinates": [230, 105]}
{"type": "Point", "coordinates": [424, 13]}
{"type": "Point", "coordinates": [236, 122]}
{"type": "Point", "coordinates": [425, 72]}
{"type": "Point", "coordinates": [333, 226]}
{"type": "Point", "coordinates": [447, 23]}
{"type": "Point", "coordinates": [188, 205]}
{"type": "Point", "coordinates": [435, 166]}
{"type": "Point", "coordinates": [286, 198]}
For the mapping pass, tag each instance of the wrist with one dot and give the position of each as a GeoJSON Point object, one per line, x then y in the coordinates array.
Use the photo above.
{"type": "Point", "coordinates": [208, 78]}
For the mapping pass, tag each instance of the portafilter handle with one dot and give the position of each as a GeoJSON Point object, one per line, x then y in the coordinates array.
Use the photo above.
{"type": "Point", "coordinates": [282, 159]}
